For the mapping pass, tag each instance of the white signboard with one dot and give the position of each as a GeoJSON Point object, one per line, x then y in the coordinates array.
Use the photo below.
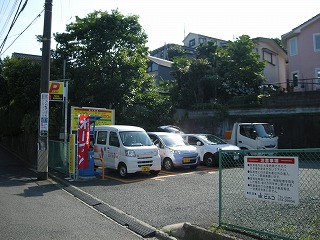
{"type": "Point", "coordinates": [44, 114]}
{"type": "Point", "coordinates": [272, 179]}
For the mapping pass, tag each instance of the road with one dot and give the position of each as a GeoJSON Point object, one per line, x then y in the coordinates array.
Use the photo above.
{"type": "Point", "coordinates": [31, 209]}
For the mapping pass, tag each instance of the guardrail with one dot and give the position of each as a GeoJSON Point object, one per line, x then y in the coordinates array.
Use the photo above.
{"type": "Point", "coordinates": [257, 192]}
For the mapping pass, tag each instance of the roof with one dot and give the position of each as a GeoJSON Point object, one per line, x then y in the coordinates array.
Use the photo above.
{"type": "Point", "coordinates": [119, 127]}
{"type": "Point", "coordinates": [298, 29]}
{"type": "Point", "coordinates": [203, 36]}
{"type": "Point", "coordinates": [271, 42]}
{"type": "Point", "coordinates": [28, 56]}
{"type": "Point", "coordinates": [160, 61]}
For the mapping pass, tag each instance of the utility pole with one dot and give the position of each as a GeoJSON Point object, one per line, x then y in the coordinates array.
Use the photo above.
{"type": "Point", "coordinates": [42, 166]}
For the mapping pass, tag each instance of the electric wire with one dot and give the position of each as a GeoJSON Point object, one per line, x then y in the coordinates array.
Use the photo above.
{"type": "Point", "coordinates": [9, 15]}
{"type": "Point", "coordinates": [39, 15]}
{"type": "Point", "coordinates": [18, 12]}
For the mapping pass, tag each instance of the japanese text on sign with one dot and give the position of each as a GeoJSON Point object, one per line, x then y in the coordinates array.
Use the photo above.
{"type": "Point", "coordinates": [83, 141]}
{"type": "Point", "coordinates": [272, 179]}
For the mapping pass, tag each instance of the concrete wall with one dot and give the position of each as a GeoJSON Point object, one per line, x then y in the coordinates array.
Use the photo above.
{"type": "Point", "coordinates": [296, 124]}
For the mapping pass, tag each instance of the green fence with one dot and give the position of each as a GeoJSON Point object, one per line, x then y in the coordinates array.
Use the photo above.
{"type": "Point", "coordinates": [267, 217]}
{"type": "Point", "coordinates": [58, 156]}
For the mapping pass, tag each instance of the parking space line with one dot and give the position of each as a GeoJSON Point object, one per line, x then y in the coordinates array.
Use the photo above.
{"type": "Point", "coordinates": [165, 174]}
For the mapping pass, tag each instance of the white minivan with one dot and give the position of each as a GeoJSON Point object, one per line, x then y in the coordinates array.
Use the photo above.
{"type": "Point", "coordinates": [127, 149]}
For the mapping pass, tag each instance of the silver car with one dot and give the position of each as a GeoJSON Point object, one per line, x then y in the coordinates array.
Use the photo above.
{"type": "Point", "coordinates": [174, 152]}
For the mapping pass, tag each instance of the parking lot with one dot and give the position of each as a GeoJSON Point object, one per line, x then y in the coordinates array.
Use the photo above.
{"type": "Point", "coordinates": [183, 195]}
{"type": "Point", "coordinates": [163, 175]}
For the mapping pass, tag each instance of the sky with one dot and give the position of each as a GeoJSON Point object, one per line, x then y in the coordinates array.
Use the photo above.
{"type": "Point", "coordinates": [165, 21]}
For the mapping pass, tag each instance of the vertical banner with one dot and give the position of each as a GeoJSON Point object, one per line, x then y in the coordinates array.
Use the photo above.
{"type": "Point", "coordinates": [72, 153]}
{"type": "Point", "coordinates": [44, 115]}
{"type": "Point", "coordinates": [83, 141]}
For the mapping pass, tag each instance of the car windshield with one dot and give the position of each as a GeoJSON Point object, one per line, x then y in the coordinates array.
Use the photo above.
{"type": "Point", "coordinates": [138, 138]}
{"type": "Point", "coordinates": [173, 140]}
{"type": "Point", "coordinates": [211, 139]}
{"type": "Point", "coordinates": [265, 130]}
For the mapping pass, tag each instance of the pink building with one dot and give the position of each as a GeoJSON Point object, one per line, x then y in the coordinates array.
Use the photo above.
{"type": "Point", "coordinates": [303, 46]}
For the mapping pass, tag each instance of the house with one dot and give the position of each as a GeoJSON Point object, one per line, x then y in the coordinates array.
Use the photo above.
{"type": "Point", "coordinates": [275, 58]}
{"type": "Point", "coordinates": [193, 40]}
{"type": "Point", "coordinates": [303, 45]}
{"type": "Point", "coordinates": [162, 52]}
{"type": "Point", "coordinates": [35, 58]}
{"type": "Point", "coordinates": [160, 69]}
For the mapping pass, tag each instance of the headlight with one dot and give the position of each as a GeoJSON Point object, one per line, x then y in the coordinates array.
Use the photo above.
{"type": "Point", "coordinates": [175, 151]}
{"type": "Point", "coordinates": [130, 153]}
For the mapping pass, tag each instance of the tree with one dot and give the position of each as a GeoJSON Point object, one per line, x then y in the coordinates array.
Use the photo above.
{"type": "Point", "coordinates": [19, 104]}
{"type": "Point", "coordinates": [176, 51]}
{"type": "Point", "coordinates": [107, 56]}
{"type": "Point", "coordinates": [240, 68]}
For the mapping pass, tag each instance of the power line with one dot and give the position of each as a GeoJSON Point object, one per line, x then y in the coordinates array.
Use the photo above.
{"type": "Point", "coordinates": [18, 12]}
{"type": "Point", "coordinates": [22, 32]}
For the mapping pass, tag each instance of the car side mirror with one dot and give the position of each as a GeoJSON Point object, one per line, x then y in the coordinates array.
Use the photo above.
{"type": "Point", "coordinates": [199, 143]}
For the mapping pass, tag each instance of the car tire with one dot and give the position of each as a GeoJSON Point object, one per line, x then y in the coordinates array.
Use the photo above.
{"type": "Point", "coordinates": [168, 164]}
{"type": "Point", "coordinates": [210, 160]}
{"type": "Point", "coordinates": [154, 172]}
{"type": "Point", "coordinates": [122, 169]}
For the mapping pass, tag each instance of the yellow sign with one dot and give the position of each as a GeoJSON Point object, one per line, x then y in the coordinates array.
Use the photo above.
{"type": "Point", "coordinates": [72, 148]}
{"type": "Point", "coordinates": [55, 91]}
{"type": "Point", "coordinates": [107, 116]}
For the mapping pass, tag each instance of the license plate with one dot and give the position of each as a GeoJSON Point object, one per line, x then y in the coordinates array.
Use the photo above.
{"type": "Point", "coordinates": [145, 168]}
{"type": "Point", "coordinates": [186, 160]}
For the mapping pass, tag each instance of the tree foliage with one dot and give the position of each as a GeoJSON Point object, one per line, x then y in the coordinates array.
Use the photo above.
{"type": "Point", "coordinates": [21, 80]}
{"type": "Point", "coordinates": [218, 73]}
{"type": "Point", "coordinates": [108, 58]}
{"type": "Point", "coordinates": [240, 68]}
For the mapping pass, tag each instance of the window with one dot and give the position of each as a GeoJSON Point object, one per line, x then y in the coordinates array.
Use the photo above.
{"type": "Point", "coordinates": [248, 131]}
{"type": "Point", "coordinates": [193, 140]}
{"type": "Point", "coordinates": [318, 76]}
{"type": "Point", "coordinates": [113, 139]}
{"type": "Point", "coordinates": [316, 42]}
{"type": "Point", "coordinates": [102, 137]}
{"type": "Point", "coordinates": [268, 56]}
{"type": "Point", "coordinates": [192, 43]}
{"type": "Point", "coordinates": [293, 45]}
{"type": "Point", "coordinates": [295, 77]}
{"type": "Point", "coordinates": [202, 40]}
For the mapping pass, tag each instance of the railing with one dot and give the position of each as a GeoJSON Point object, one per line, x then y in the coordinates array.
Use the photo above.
{"type": "Point", "coordinates": [264, 215]}
{"type": "Point", "coordinates": [58, 157]}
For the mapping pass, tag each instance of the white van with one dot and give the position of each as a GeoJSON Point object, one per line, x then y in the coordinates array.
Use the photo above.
{"type": "Point", "coordinates": [127, 149]}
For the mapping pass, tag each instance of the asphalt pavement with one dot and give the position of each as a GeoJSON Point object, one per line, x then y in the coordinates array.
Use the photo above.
{"type": "Point", "coordinates": [44, 209]}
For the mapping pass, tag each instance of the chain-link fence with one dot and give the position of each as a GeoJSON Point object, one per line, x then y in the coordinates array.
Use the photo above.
{"type": "Point", "coordinates": [58, 156]}
{"type": "Point", "coordinates": [270, 217]}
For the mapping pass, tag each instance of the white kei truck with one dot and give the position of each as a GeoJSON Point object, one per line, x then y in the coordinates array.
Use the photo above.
{"type": "Point", "coordinates": [252, 136]}
{"type": "Point", "coordinates": [127, 149]}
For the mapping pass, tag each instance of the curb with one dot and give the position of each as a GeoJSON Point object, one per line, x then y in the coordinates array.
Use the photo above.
{"type": "Point", "coordinates": [136, 225]}
{"type": "Point", "coordinates": [187, 231]}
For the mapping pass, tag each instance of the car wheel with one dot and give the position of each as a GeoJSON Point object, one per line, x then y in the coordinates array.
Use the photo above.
{"type": "Point", "coordinates": [167, 164]}
{"type": "Point", "coordinates": [122, 169]}
{"type": "Point", "coordinates": [154, 173]}
{"type": "Point", "coordinates": [210, 160]}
